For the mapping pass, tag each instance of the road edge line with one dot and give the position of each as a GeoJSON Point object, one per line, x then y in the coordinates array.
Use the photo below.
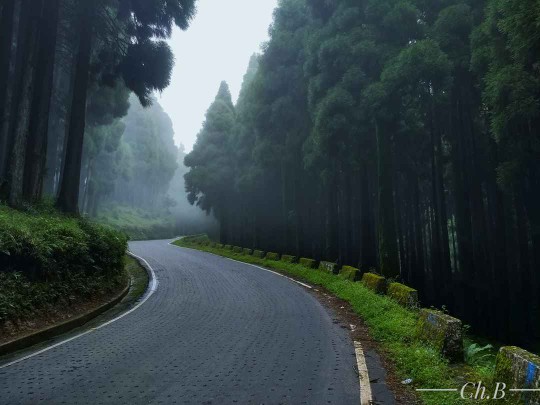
{"type": "Point", "coordinates": [61, 328]}
{"type": "Point", "coordinates": [152, 287]}
{"type": "Point", "coordinates": [363, 375]}
{"type": "Point", "coordinates": [366, 397]}
{"type": "Point", "coordinates": [241, 262]}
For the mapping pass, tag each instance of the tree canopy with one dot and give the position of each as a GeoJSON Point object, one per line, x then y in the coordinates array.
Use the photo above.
{"type": "Point", "coordinates": [399, 136]}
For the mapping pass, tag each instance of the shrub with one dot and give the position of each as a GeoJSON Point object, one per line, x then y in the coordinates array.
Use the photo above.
{"type": "Point", "coordinates": [46, 258]}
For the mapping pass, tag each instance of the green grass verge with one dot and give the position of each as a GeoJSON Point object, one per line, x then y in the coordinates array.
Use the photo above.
{"type": "Point", "coordinates": [390, 324]}
{"type": "Point", "coordinates": [139, 277]}
{"type": "Point", "coordinates": [137, 224]}
{"type": "Point", "coordinates": [48, 260]}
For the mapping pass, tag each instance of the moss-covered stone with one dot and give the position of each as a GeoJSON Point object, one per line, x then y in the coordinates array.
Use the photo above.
{"type": "Point", "coordinates": [259, 253]}
{"type": "Point", "coordinates": [404, 295]}
{"type": "Point", "coordinates": [518, 368]}
{"type": "Point", "coordinates": [272, 256]}
{"type": "Point", "coordinates": [309, 263]}
{"type": "Point", "coordinates": [374, 282]}
{"type": "Point", "coordinates": [329, 267]}
{"type": "Point", "coordinates": [442, 331]}
{"type": "Point", "coordinates": [228, 247]}
{"type": "Point", "coordinates": [247, 251]}
{"type": "Point", "coordinates": [289, 258]}
{"type": "Point", "coordinates": [350, 273]}
{"type": "Point", "coordinates": [219, 246]}
{"type": "Point", "coordinates": [237, 249]}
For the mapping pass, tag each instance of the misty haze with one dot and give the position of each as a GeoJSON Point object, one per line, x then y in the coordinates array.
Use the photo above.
{"type": "Point", "coordinates": [269, 202]}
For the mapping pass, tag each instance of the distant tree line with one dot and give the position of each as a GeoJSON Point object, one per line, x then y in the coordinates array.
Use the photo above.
{"type": "Point", "coordinates": [395, 135]}
{"type": "Point", "coordinates": [67, 68]}
{"type": "Point", "coordinates": [130, 162]}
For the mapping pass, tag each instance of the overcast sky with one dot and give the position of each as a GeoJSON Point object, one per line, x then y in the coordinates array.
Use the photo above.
{"type": "Point", "coordinates": [217, 46]}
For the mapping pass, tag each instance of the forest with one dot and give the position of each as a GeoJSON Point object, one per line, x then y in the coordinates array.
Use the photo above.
{"type": "Point", "coordinates": [79, 121]}
{"type": "Point", "coordinates": [398, 136]}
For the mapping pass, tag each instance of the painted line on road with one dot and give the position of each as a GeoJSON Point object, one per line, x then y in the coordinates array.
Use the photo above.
{"type": "Point", "coordinates": [152, 287]}
{"type": "Point", "coordinates": [363, 375]}
{"type": "Point", "coordinates": [238, 261]}
{"type": "Point", "coordinates": [271, 271]}
{"type": "Point", "coordinates": [247, 264]}
{"type": "Point", "coordinates": [366, 397]}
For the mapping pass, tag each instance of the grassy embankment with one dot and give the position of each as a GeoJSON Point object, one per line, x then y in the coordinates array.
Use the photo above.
{"type": "Point", "coordinates": [137, 224]}
{"type": "Point", "coordinates": [50, 263]}
{"type": "Point", "coordinates": [391, 325]}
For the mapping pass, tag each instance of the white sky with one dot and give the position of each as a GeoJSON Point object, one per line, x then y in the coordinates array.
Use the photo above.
{"type": "Point", "coordinates": [217, 46]}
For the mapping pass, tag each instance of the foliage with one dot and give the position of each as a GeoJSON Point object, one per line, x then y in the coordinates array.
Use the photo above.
{"type": "Point", "coordinates": [47, 259]}
{"type": "Point", "coordinates": [50, 246]}
{"type": "Point", "coordinates": [394, 135]}
{"type": "Point", "coordinates": [136, 223]}
{"type": "Point", "coordinates": [67, 70]}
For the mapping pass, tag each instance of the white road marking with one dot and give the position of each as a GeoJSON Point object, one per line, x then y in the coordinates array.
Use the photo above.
{"type": "Point", "coordinates": [249, 264]}
{"type": "Point", "coordinates": [363, 375]}
{"type": "Point", "coordinates": [366, 397]}
{"type": "Point", "coordinates": [152, 287]}
{"type": "Point", "coordinates": [274, 272]}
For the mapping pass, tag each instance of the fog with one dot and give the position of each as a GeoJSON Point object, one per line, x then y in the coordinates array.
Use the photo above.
{"type": "Point", "coordinates": [217, 47]}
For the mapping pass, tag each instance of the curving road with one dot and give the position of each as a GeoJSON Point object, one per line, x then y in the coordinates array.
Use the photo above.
{"type": "Point", "coordinates": [214, 332]}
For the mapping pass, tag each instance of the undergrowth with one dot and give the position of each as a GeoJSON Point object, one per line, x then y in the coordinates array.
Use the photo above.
{"type": "Point", "coordinates": [137, 224]}
{"type": "Point", "coordinates": [47, 259]}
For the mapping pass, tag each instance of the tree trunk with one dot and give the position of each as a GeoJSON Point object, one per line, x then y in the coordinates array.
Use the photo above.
{"type": "Point", "coordinates": [36, 150]}
{"type": "Point", "coordinates": [68, 197]}
{"type": "Point", "coordinates": [368, 247]}
{"type": "Point", "coordinates": [23, 91]}
{"type": "Point", "coordinates": [388, 249]}
{"type": "Point", "coordinates": [332, 215]}
{"type": "Point", "coordinates": [6, 44]}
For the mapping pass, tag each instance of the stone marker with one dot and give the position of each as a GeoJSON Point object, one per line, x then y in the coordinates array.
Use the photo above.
{"type": "Point", "coordinates": [228, 247]}
{"type": "Point", "coordinates": [219, 246]}
{"type": "Point", "coordinates": [404, 295]}
{"type": "Point", "coordinates": [237, 249]}
{"type": "Point", "coordinates": [518, 369]}
{"type": "Point", "coordinates": [442, 331]}
{"type": "Point", "coordinates": [258, 253]}
{"type": "Point", "coordinates": [374, 282]}
{"type": "Point", "coordinates": [247, 251]}
{"type": "Point", "coordinates": [309, 263]}
{"type": "Point", "coordinates": [349, 273]}
{"type": "Point", "coordinates": [288, 258]}
{"type": "Point", "coordinates": [272, 256]}
{"type": "Point", "coordinates": [329, 267]}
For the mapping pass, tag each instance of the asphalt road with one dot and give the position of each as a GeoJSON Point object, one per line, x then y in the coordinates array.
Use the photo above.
{"type": "Point", "coordinates": [214, 332]}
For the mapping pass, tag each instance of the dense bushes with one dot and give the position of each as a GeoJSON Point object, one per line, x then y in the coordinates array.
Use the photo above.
{"type": "Point", "coordinates": [47, 246]}
{"type": "Point", "coordinates": [46, 259]}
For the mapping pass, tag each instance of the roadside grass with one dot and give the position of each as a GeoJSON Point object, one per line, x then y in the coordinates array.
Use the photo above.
{"type": "Point", "coordinates": [137, 224]}
{"type": "Point", "coordinates": [49, 261]}
{"type": "Point", "coordinates": [391, 325]}
{"type": "Point", "coordinates": [139, 277]}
